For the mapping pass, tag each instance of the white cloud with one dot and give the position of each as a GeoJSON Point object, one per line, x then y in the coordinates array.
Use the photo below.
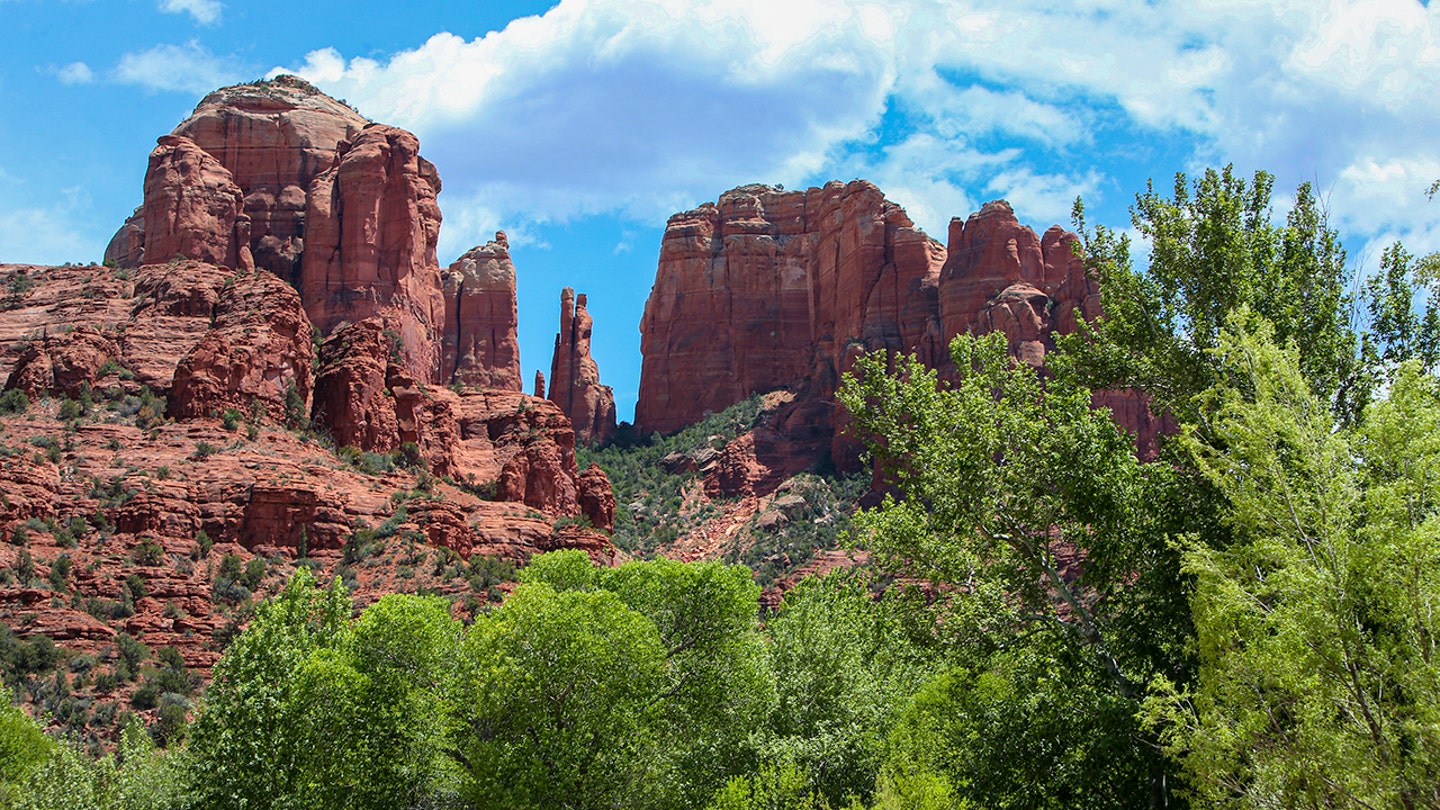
{"type": "Point", "coordinates": [205, 12]}
{"type": "Point", "coordinates": [75, 73]}
{"type": "Point", "coordinates": [188, 68]}
{"type": "Point", "coordinates": [645, 107]}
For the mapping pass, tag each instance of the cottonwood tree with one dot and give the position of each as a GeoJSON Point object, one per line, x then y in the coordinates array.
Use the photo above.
{"type": "Point", "coordinates": [1318, 682]}
{"type": "Point", "coordinates": [1030, 512]}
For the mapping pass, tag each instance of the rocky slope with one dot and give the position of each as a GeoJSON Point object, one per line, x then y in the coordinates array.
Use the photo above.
{"type": "Point", "coordinates": [271, 370]}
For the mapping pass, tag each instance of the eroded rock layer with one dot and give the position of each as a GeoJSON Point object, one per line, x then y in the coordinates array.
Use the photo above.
{"type": "Point", "coordinates": [480, 344]}
{"type": "Point", "coordinates": [574, 376]}
{"type": "Point", "coordinates": [769, 288]}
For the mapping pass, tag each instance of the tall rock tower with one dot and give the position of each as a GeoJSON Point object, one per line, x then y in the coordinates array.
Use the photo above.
{"type": "Point", "coordinates": [574, 377]}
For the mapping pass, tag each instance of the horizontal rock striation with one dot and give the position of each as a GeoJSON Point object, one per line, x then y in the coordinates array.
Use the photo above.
{"type": "Point", "coordinates": [769, 289]}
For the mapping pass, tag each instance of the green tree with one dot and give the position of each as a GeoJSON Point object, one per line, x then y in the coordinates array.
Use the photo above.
{"type": "Point", "coordinates": [309, 709]}
{"type": "Point", "coordinates": [23, 745]}
{"type": "Point", "coordinates": [1397, 332]}
{"type": "Point", "coordinates": [1317, 684]}
{"type": "Point", "coordinates": [248, 750]}
{"type": "Point", "coordinates": [1030, 512]}
{"type": "Point", "coordinates": [845, 669]}
{"type": "Point", "coordinates": [557, 702]}
{"type": "Point", "coordinates": [717, 686]}
{"type": "Point", "coordinates": [1214, 247]}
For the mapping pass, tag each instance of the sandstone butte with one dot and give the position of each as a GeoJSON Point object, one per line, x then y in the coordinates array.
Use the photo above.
{"type": "Point", "coordinates": [575, 378]}
{"type": "Point", "coordinates": [771, 289]}
{"type": "Point", "coordinates": [280, 272]}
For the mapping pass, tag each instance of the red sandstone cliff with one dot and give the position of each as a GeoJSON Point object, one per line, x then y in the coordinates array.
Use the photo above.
{"type": "Point", "coordinates": [279, 176]}
{"type": "Point", "coordinates": [770, 288]}
{"type": "Point", "coordinates": [480, 345]}
{"type": "Point", "coordinates": [274, 138]}
{"type": "Point", "coordinates": [574, 377]}
{"type": "Point", "coordinates": [370, 232]}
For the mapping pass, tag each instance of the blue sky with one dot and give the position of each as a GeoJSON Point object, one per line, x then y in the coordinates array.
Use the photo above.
{"type": "Point", "coordinates": [578, 127]}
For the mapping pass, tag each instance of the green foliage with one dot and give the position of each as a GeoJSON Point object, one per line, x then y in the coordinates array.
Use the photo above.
{"type": "Point", "coordinates": [230, 418]}
{"type": "Point", "coordinates": [677, 678]}
{"type": "Point", "coordinates": [1318, 685]}
{"type": "Point", "coordinates": [295, 415]}
{"type": "Point", "coordinates": [559, 715]}
{"type": "Point", "coordinates": [1397, 331]}
{"type": "Point", "coordinates": [148, 552]}
{"type": "Point", "coordinates": [23, 746]}
{"type": "Point", "coordinates": [1007, 481]}
{"type": "Point", "coordinates": [14, 401]}
{"type": "Point", "coordinates": [1034, 729]}
{"type": "Point", "coordinates": [781, 787]}
{"type": "Point", "coordinates": [138, 777]}
{"type": "Point", "coordinates": [247, 745]}
{"type": "Point", "coordinates": [1215, 248]}
{"type": "Point", "coordinates": [845, 667]}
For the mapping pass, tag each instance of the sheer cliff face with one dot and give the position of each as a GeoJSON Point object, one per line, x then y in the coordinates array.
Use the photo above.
{"type": "Point", "coordinates": [770, 288]}
{"type": "Point", "coordinates": [370, 232]}
{"type": "Point", "coordinates": [480, 346]}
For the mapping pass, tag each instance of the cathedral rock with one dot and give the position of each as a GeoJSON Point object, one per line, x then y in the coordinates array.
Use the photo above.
{"type": "Point", "coordinates": [768, 289]}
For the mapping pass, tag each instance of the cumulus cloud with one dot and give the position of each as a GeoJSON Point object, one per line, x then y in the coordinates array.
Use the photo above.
{"type": "Point", "coordinates": [188, 68]}
{"type": "Point", "coordinates": [205, 12]}
{"type": "Point", "coordinates": [75, 73]}
{"type": "Point", "coordinates": [644, 107]}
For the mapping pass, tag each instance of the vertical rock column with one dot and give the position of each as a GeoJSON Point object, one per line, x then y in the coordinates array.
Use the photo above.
{"type": "Point", "coordinates": [480, 348]}
{"type": "Point", "coordinates": [370, 231]}
{"type": "Point", "coordinates": [574, 377]}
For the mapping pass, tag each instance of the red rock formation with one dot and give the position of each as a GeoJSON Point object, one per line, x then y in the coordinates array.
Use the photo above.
{"type": "Point", "coordinates": [371, 226]}
{"type": "Point", "coordinates": [999, 276]}
{"type": "Point", "coordinates": [192, 206]}
{"type": "Point", "coordinates": [63, 363]}
{"type": "Point", "coordinates": [257, 354]}
{"type": "Point", "coordinates": [276, 174]}
{"type": "Point", "coordinates": [127, 246]}
{"type": "Point", "coordinates": [597, 499]}
{"type": "Point", "coordinates": [480, 347]}
{"type": "Point", "coordinates": [772, 288]}
{"type": "Point", "coordinates": [525, 445]}
{"type": "Point", "coordinates": [540, 384]}
{"type": "Point", "coordinates": [274, 137]}
{"type": "Point", "coordinates": [352, 399]}
{"type": "Point", "coordinates": [574, 377]}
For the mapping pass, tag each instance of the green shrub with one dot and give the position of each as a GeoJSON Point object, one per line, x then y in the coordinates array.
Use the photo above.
{"type": "Point", "coordinates": [14, 401]}
{"type": "Point", "coordinates": [230, 419]}
{"type": "Point", "coordinates": [148, 552]}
